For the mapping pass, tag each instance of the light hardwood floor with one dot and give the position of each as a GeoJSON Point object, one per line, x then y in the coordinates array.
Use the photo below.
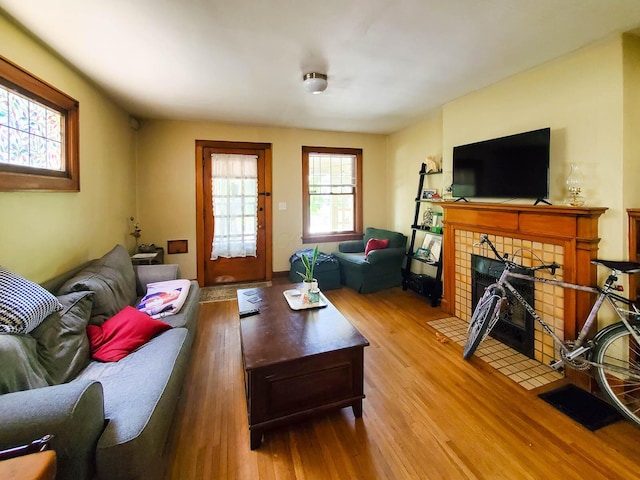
{"type": "Point", "coordinates": [427, 415]}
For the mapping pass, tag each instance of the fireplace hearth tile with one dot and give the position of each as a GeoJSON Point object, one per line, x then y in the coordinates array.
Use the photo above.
{"type": "Point", "coordinates": [526, 372]}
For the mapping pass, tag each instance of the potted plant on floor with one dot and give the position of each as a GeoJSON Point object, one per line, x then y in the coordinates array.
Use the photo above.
{"type": "Point", "coordinates": [310, 283]}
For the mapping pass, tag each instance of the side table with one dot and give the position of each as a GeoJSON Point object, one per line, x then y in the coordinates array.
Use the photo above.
{"type": "Point", "coordinates": [148, 258]}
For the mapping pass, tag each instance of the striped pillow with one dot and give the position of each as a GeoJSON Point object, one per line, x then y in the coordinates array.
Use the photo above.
{"type": "Point", "coordinates": [23, 304]}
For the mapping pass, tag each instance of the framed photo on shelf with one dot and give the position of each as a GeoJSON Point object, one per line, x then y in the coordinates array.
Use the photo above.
{"type": "Point", "coordinates": [422, 254]}
{"type": "Point", "coordinates": [431, 247]}
{"type": "Point", "coordinates": [428, 194]}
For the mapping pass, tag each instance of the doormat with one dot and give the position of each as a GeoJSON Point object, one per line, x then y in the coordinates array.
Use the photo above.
{"type": "Point", "coordinates": [579, 405]}
{"type": "Point", "coordinates": [224, 293]}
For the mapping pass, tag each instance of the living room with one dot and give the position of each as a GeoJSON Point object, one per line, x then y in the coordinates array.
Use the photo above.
{"type": "Point", "coordinates": [589, 98]}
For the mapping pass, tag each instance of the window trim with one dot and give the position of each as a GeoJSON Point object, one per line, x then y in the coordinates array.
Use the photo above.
{"type": "Point", "coordinates": [356, 234]}
{"type": "Point", "coordinates": [20, 178]}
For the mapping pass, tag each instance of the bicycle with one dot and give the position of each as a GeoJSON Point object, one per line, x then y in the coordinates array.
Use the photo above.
{"type": "Point", "coordinates": [614, 352]}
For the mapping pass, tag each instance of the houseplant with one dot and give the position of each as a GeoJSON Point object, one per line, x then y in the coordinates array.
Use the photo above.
{"type": "Point", "coordinates": [309, 282]}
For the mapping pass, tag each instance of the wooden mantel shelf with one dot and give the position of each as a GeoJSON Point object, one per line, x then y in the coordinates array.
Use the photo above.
{"type": "Point", "coordinates": [545, 220]}
{"type": "Point", "coordinates": [575, 228]}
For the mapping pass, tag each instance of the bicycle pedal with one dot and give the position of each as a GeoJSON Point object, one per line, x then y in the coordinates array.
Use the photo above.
{"type": "Point", "coordinates": [558, 365]}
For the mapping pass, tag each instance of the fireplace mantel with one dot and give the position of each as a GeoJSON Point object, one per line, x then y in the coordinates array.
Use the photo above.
{"type": "Point", "coordinates": [574, 228]}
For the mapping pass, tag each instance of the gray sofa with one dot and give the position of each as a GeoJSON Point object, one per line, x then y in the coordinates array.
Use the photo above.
{"type": "Point", "coordinates": [110, 420]}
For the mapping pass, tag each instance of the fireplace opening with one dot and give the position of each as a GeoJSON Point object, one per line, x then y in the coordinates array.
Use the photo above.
{"type": "Point", "coordinates": [515, 326]}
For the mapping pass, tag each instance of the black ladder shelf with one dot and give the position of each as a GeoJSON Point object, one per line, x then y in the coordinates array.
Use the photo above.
{"type": "Point", "coordinates": [427, 285]}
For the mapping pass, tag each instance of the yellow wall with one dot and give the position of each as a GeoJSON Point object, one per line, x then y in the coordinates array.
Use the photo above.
{"type": "Point", "coordinates": [631, 46]}
{"type": "Point", "coordinates": [407, 149]}
{"type": "Point", "coordinates": [579, 96]}
{"type": "Point", "coordinates": [44, 234]}
{"type": "Point", "coordinates": [166, 186]}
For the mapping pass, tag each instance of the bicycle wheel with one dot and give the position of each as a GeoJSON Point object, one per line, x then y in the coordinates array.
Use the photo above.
{"type": "Point", "coordinates": [618, 371]}
{"type": "Point", "coordinates": [486, 310]}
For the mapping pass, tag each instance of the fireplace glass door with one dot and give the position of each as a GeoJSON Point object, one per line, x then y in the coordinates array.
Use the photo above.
{"type": "Point", "coordinates": [515, 326]}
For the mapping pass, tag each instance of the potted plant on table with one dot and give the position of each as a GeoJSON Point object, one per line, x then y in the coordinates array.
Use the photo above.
{"type": "Point", "coordinates": [310, 283]}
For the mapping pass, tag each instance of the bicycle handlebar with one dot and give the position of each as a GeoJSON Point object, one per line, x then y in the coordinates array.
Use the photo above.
{"type": "Point", "coordinates": [552, 267]}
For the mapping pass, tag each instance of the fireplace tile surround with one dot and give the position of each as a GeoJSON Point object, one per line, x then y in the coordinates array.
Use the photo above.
{"type": "Point", "coordinates": [549, 300]}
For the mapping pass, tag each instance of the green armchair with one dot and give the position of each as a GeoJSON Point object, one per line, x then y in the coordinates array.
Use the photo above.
{"type": "Point", "coordinates": [381, 269]}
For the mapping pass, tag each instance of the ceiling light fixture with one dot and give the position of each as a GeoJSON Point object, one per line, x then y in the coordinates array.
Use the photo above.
{"type": "Point", "coordinates": [315, 82]}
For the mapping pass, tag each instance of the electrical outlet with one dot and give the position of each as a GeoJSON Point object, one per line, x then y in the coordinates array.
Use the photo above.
{"type": "Point", "coordinates": [282, 206]}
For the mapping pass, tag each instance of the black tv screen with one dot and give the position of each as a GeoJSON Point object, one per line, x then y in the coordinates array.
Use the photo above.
{"type": "Point", "coordinates": [516, 166]}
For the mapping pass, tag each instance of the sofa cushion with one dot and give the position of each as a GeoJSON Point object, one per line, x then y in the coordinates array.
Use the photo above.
{"type": "Point", "coordinates": [113, 281]}
{"type": "Point", "coordinates": [23, 304]}
{"type": "Point", "coordinates": [396, 239]}
{"type": "Point", "coordinates": [375, 244]}
{"type": "Point", "coordinates": [140, 395]}
{"type": "Point", "coordinates": [127, 331]}
{"type": "Point", "coordinates": [146, 274]}
{"type": "Point", "coordinates": [351, 246]}
{"type": "Point", "coordinates": [21, 369]}
{"type": "Point", "coordinates": [63, 345]}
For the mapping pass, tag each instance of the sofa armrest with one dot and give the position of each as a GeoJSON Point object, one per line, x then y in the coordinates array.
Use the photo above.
{"type": "Point", "coordinates": [72, 412]}
{"type": "Point", "coordinates": [351, 246]}
{"type": "Point", "coordinates": [386, 255]}
{"type": "Point", "coordinates": [146, 274]}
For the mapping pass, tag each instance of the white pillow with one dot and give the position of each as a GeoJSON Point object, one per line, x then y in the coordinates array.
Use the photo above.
{"type": "Point", "coordinates": [23, 304]}
{"type": "Point", "coordinates": [164, 298]}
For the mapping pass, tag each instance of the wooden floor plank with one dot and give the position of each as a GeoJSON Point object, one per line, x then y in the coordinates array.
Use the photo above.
{"type": "Point", "coordinates": [428, 414]}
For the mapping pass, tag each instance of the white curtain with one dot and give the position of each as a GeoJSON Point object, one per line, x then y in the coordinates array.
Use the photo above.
{"type": "Point", "coordinates": [234, 183]}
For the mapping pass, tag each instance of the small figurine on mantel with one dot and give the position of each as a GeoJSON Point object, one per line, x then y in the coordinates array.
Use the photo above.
{"type": "Point", "coordinates": [433, 164]}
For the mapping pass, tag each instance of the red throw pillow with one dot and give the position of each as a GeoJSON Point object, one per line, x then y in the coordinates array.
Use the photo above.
{"type": "Point", "coordinates": [375, 244]}
{"type": "Point", "coordinates": [126, 331]}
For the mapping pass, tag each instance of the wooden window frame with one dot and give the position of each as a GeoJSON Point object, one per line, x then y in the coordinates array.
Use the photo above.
{"type": "Point", "coordinates": [21, 178]}
{"type": "Point", "coordinates": [357, 233]}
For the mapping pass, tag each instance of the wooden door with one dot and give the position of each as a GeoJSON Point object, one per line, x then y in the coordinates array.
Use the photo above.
{"type": "Point", "coordinates": [237, 269]}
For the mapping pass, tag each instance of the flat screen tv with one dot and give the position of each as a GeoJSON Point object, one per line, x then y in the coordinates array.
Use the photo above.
{"type": "Point", "coordinates": [516, 166]}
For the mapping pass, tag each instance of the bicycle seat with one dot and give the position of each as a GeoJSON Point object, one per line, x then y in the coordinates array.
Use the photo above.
{"type": "Point", "coordinates": [624, 267]}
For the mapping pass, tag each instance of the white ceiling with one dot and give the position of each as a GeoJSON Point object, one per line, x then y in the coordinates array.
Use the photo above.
{"type": "Point", "coordinates": [389, 61]}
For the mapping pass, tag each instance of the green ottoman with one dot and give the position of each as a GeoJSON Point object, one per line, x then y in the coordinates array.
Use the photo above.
{"type": "Point", "coordinates": [327, 270]}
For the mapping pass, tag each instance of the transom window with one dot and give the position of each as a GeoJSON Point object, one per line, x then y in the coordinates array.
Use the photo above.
{"type": "Point", "coordinates": [332, 187]}
{"type": "Point", "coordinates": [38, 133]}
{"type": "Point", "coordinates": [30, 133]}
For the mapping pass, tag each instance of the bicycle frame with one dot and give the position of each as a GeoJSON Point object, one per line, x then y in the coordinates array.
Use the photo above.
{"type": "Point", "coordinates": [606, 292]}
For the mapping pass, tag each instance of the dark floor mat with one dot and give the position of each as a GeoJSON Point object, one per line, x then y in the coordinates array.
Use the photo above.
{"type": "Point", "coordinates": [586, 409]}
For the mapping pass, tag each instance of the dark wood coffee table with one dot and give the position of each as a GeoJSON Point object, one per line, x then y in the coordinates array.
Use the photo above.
{"type": "Point", "coordinates": [297, 362]}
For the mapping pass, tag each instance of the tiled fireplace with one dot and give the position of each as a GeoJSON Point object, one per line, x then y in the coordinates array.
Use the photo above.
{"type": "Point", "coordinates": [566, 235]}
{"type": "Point", "coordinates": [549, 300]}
